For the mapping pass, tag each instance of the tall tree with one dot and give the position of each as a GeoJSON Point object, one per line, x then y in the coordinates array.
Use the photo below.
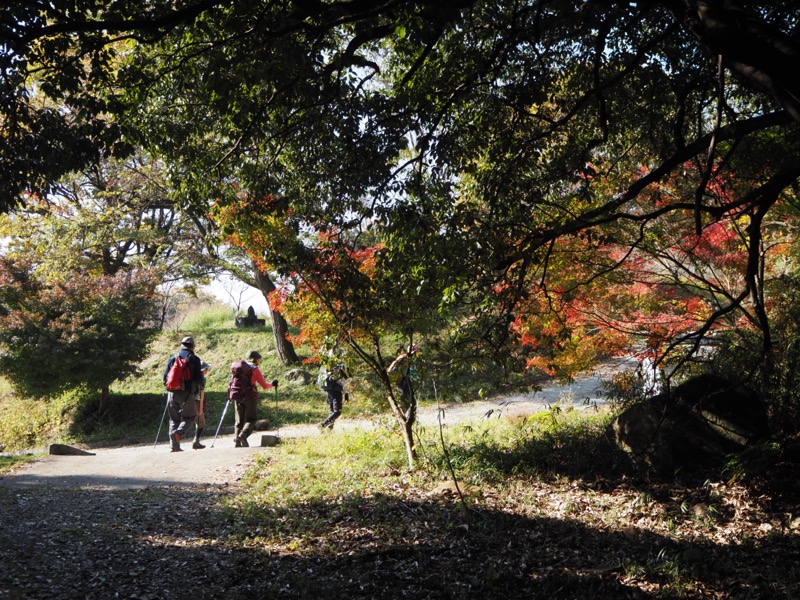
{"type": "Point", "coordinates": [114, 216]}
{"type": "Point", "coordinates": [280, 328]}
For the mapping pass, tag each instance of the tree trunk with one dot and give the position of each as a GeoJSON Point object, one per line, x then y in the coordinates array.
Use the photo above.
{"type": "Point", "coordinates": [406, 421]}
{"type": "Point", "coordinates": [105, 392]}
{"type": "Point", "coordinates": [283, 346]}
{"type": "Point", "coordinates": [408, 438]}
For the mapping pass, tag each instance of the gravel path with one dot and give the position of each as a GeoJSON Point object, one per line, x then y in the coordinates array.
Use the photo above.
{"type": "Point", "coordinates": [143, 523]}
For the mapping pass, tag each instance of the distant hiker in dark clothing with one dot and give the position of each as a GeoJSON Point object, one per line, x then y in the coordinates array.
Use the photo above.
{"type": "Point", "coordinates": [337, 395]}
{"type": "Point", "coordinates": [182, 381]}
{"type": "Point", "coordinates": [245, 375]}
{"type": "Point", "coordinates": [202, 408]}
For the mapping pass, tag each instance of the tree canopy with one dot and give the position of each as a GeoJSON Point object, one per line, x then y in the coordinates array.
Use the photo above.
{"type": "Point", "coordinates": [545, 147]}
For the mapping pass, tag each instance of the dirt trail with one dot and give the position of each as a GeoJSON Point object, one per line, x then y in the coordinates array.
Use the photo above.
{"type": "Point", "coordinates": [143, 466]}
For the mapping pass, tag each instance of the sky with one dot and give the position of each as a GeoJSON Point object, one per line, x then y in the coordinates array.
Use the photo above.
{"type": "Point", "coordinates": [233, 292]}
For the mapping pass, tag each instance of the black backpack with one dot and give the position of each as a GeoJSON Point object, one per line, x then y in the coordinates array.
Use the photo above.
{"type": "Point", "coordinates": [240, 387]}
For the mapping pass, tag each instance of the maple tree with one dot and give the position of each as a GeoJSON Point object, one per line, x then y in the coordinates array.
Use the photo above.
{"type": "Point", "coordinates": [655, 284]}
{"type": "Point", "coordinates": [340, 291]}
{"type": "Point", "coordinates": [84, 331]}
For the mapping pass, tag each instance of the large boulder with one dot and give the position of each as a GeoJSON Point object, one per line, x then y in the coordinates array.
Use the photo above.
{"type": "Point", "coordinates": [697, 424]}
{"type": "Point", "coordinates": [298, 377]}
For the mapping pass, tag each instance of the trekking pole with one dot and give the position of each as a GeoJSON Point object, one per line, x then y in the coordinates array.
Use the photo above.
{"type": "Point", "coordinates": [161, 422]}
{"type": "Point", "coordinates": [224, 410]}
{"type": "Point", "coordinates": [277, 423]}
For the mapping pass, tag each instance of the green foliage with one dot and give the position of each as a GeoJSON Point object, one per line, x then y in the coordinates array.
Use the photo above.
{"type": "Point", "coordinates": [110, 217]}
{"type": "Point", "coordinates": [548, 444]}
{"type": "Point", "coordinates": [25, 424]}
{"type": "Point", "coordinates": [9, 463]}
{"type": "Point", "coordinates": [79, 332]}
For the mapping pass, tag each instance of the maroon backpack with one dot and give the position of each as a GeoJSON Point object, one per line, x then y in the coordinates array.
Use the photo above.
{"type": "Point", "coordinates": [240, 387]}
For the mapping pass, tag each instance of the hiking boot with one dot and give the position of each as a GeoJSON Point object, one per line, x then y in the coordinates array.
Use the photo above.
{"type": "Point", "coordinates": [242, 442]}
{"type": "Point", "coordinates": [175, 438]}
{"type": "Point", "coordinates": [196, 445]}
{"type": "Point", "coordinates": [237, 443]}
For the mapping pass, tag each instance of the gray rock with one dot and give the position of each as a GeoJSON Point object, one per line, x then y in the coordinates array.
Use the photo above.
{"type": "Point", "coordinates": [64, 450]}
{"type": "Point", "coordinates": [697, 424]}
{"type": "Point", "coordinates": [299, 377]}
{"type": "Point", "coordinates": [261, 425]}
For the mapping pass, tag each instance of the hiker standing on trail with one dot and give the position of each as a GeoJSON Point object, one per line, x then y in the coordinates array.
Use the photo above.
{"type": "Point", "coordinates": [337, 395]}
{"type": "Point", "coordinates": [182, 378]}
{"type": "Point", "coordinates": [202, 408]}
{"type": "Point", "coordinates": [245, 375]}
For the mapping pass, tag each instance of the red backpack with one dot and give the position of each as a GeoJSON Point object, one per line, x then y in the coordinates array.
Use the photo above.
{"type": "Point", "coordinates": [240, 387]}
{"type": "Point", "coordinates": [179, 375]}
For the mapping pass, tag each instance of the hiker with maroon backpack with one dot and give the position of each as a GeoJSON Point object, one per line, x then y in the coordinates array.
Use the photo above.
{"type": "Point", "coordinates": [245, 376]}
{"type": "Point", "coordinates": [183, 377]}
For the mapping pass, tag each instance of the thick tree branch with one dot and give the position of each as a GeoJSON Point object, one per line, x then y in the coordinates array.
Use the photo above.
{"type": "Point", "coordinates": [752, 48]}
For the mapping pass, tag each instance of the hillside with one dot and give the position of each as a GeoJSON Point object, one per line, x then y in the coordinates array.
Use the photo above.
{"type": "Point", "coordinates": [137, 403]}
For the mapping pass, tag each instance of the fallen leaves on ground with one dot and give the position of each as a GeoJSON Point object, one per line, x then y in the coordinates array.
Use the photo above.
{"type": "Point", "coordinates": [525, 539]}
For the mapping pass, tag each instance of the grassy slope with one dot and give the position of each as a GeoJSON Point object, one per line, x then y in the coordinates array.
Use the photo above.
{"type": "Point", "coordinates": [137, 403]}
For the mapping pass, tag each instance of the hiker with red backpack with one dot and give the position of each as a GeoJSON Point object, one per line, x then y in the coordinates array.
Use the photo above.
{"type": "Point", "coordinates": [183, 377]}
{"type": "Point", "coordinates": [245, 376]}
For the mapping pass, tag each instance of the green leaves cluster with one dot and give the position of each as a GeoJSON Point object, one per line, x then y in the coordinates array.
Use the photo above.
{"type": "Point", "coordinates": [59, 335]}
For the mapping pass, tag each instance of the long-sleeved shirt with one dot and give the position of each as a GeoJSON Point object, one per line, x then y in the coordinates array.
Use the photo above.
{"type": "Point", "coordinates": [257, 378]}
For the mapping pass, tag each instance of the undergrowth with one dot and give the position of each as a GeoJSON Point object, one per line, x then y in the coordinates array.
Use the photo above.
{"type": "Point", "coordinates": [536, 509]}
{"type": "Point", "coordinates": [343, 468]}
{"type": "Point", "coordinates": [9, 463]}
